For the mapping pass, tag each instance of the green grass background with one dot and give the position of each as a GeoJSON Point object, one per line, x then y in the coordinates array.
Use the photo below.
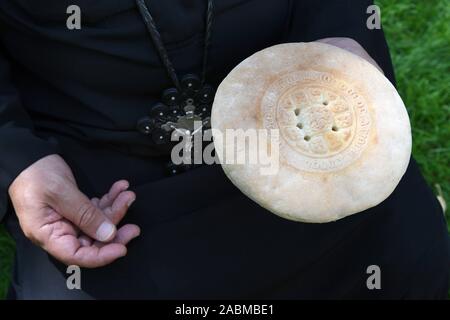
{"type": "Point", "coordinates": [418, 33]}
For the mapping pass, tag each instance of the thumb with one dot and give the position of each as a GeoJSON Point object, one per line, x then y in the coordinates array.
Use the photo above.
{"type": "Point", "coordinates": [78, 209]}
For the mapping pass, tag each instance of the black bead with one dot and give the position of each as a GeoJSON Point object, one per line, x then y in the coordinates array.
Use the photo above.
{"type": "Point", "coordinates": [145, 125]}
{"type": "Point", "coordinates": [160, 136]}
{"type": "Point", "coordinates": [204, 109]}
{"type": "Point", "coordinates": [206, 94]}
{"type": "Point", "coordinates": [175, 111]}
{"type": "Point", "coordinates": [173, 169]}
{"type": "Point", "coordinates": [159, 111]}
{"type": "Point", "coordinates": [171, 97]}
{"type": "Point", "coordinates": [190, 82]}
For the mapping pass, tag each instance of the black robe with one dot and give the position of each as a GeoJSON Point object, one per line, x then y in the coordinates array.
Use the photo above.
{"type": "Point", "coordinates": [79, 93]}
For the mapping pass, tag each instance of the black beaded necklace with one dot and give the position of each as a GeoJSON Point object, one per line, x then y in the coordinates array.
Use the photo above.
{"type": "Point", "coordinates": [188, 101]}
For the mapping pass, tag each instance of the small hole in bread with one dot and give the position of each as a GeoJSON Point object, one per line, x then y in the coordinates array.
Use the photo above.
{"type": "Point", "coordinates": [300, 125]}
{"type": "Point", "coordinates": [334, 128]}
{"type": "Point", "coordinates": [297, 111]}
{"type": "Point", "coordinates": [307, 138]}
{"type": "Point", "coordinates": [325, 103]}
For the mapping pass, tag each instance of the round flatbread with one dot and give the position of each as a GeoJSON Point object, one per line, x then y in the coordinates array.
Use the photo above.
{"type": "Point", "coordinates": [344, 138]}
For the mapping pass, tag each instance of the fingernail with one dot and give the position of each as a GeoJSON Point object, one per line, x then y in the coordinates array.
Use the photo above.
{"type": "Point", "coordinates": [105, 231]}
{"type": "Point", "coordinates": [130, 202]}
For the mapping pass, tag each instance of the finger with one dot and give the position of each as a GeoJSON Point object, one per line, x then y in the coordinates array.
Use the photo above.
{"type": "Point", "coordinates": [120, 206]}
{"type": "Point", "coordinates": [85, 241]}
{"type": "Point", "coordinates": [90, 256]}
{"type": "Point", "coordinates": [115, 190]}
{"type": "Point", "coordinates": [68, 249]}
{"type": "Point", "coordinates": [94, 257]}
{"type": "Point", "coordinates": [127, 233]}
{"type": "Point", "coordinates": [72, 204]}
{"type": "Point", "coordinates": [95, 202]}
{"type": "Point", "coordinates": [357, 49]}
{"type": "Point", "coordinates": [124, 235]}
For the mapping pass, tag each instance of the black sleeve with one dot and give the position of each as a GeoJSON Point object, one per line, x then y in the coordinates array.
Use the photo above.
{"type": "Point", "coordinates": [316, 19]}
{"type": "Point", "coordinates": [19, 146]}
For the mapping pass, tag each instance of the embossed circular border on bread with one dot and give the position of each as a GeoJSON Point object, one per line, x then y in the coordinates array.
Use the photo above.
{"type": "Point", "coordinates": [270, 109]}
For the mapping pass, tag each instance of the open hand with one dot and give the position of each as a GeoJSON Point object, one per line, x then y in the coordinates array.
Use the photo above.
{"type": "Point", "coordinates": [58, 217]}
